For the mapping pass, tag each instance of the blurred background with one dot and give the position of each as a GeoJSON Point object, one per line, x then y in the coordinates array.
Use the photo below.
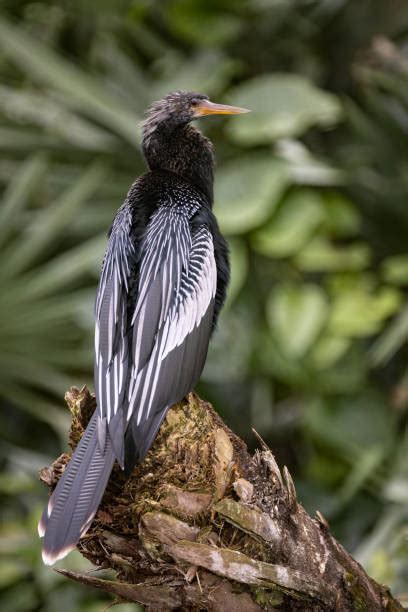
{"type": "Point", "coordinates": [312, 192]}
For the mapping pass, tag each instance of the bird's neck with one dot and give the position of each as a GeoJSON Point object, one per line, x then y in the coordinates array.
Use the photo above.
{"type": "Point", "coordinates": [184, 151]}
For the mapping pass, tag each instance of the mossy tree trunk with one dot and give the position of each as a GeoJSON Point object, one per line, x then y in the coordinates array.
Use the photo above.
{"type": "Point", "coordinates": [203, 525]}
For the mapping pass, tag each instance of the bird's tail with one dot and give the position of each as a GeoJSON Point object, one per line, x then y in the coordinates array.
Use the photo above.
{"type": "Point", "coordinates": [77, 495]}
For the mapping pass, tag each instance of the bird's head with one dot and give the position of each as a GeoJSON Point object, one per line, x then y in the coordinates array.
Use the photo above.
{"type": "Point", "coordinates": [178, 108]}
{"type": "Point", "coordinates": [170, 143]}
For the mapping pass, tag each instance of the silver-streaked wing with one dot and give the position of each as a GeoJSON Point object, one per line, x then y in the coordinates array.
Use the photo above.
{"type": "Point", "coordinates": [150, 351]}
{"type": "Point", "coordinates": [172, 326]}
{"type": "Point", "coordinates": [111, 332]}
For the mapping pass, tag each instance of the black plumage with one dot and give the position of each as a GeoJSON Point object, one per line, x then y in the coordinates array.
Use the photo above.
{"type": "Point", "coordinates": [163, 283]}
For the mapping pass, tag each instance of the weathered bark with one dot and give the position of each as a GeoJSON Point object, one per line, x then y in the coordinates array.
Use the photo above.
{"type": "Point", "coordinates": [203, 525]}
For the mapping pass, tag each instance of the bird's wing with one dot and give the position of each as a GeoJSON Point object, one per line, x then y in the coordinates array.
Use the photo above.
{"type": "Point", "coordinates": [111, 331]}
{"type": "Point", "coordinates": [150, 349]}
{"type": "Point", "coordinates": [171, 323]}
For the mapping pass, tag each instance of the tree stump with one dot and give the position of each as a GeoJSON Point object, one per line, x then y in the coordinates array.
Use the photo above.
{"type": "Point", "coordinates": [203, 525]}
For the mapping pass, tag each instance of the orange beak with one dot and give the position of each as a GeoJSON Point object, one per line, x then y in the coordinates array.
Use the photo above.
{"type": "Point", "coordinates": [205, 107]}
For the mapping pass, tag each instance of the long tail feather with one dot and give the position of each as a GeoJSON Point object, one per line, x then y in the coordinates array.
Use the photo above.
{"type": "Point", "coordinates": [77, 496]}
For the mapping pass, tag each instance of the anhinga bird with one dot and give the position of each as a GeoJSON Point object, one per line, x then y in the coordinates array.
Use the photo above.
{"type": "Point", "coordinates": [163, 282]}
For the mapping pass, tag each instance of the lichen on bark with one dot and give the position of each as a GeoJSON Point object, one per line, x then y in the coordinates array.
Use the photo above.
{"type": "Point", "coordinates": [203, 525]}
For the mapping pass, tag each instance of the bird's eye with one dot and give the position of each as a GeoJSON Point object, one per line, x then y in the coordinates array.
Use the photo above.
{"type": "Point", "coordinates": [194, 102]}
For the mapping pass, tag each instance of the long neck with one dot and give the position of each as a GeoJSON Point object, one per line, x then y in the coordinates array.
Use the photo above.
{"type": "Point", "coordinates": [184, 151]}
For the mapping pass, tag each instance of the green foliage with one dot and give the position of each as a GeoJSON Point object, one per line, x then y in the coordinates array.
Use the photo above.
{"type": "Point", "coordinates": [247, 193]}
{"type": "Point", "coordinates": [293, 225]}
{"type": "Point", "coordinates": [285, 105]}
{"type": "Point", "coordinates": [311, 190]}
{"type": "Point", "coordinates": [296, 315]}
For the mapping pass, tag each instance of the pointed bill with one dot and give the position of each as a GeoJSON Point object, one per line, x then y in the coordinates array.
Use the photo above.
{"type": "Point", "coordinates": [206, 107]}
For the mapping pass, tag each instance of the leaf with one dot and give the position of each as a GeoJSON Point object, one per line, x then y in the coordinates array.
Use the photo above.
{"type": "Point", "coordinates": [54, 119]}
{"type": "Point", "coordinates": [357, 311]}
{"type": "Point", "coordinates": [196, 22]}
{"type": "Point", "coordinates": [391, 339]}
{"type": "Point", "coordinates": [282, 105]}
{"type": "Point", "coordinates": [351, 423]}
{"type": "Point", "coordinates": [206, 71]}
{"type": "Point", "coordinates": [26, 139]}
{"type": "Point", "coordinates": [218, 368]}
{"type": "Point", "coordinates": [21, 597]}
{"type": "Point", "coordinates": [328, 350]}
{"type": "Point", "coordinates": [292, 225]}
{"type": "Point", "coordinates": [342, 219]}
{"type": "Point", "coordinates": [81, 90]}
{"type": "Point", "coordinates": [52, 222]}
{"type": "Point", "coordinates": [239, 268]}
{"type": "Point", "coordinates": [319, 255]}
{"type": "Point", "coordinates": [124, 72]}
{"type": "Point", "coordinates": [34, 404]}
{"type": "Point", "coordinates": [395, 270]}
{"type": "Point", "coordinates": [368, 463]}
{"type": "Point", "coordinates": [379, 551]}
{"type": "Point", "coordinates": [396, 487]}
{"type": "Point", "coordinates": [11, 571]}
{"type": "Point", "coordinates": [247, 191]}
{"type": "Point", "coordinates": [18, 192]}
{"type": "Point", "coordinates": [305, 168]}
{"type": "Point", "coordinates": [262, 417]}
{"type": "Point", "coordinates": [296, 315]}
{"type": "Point", "coordinates": [63, 270]}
